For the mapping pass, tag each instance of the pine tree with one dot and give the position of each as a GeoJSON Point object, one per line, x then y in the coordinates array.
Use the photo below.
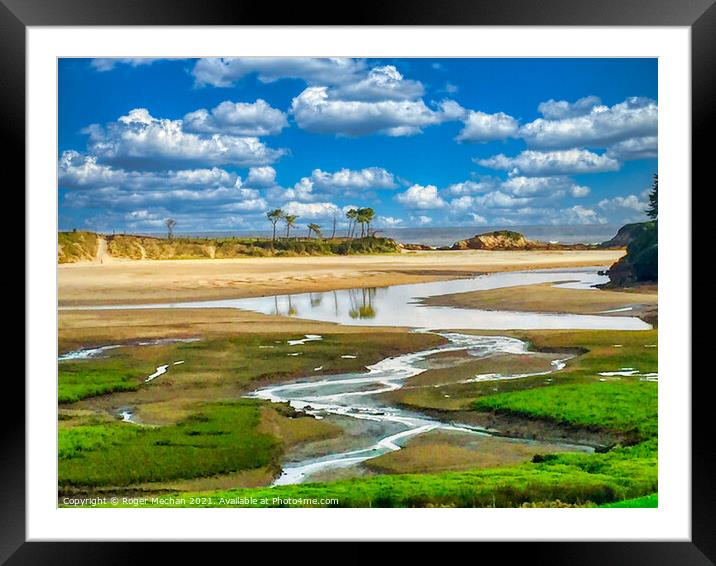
{"type": "Point", "coordinates": [653, 210]}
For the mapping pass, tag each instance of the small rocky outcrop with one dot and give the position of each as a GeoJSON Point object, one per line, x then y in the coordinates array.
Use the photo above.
{"type": "Point", "coordinates": [509, 240]}
{"type": "Point", "coordinates": [499, 240]}
{"type": "Point", "coordinates": [625, 235]}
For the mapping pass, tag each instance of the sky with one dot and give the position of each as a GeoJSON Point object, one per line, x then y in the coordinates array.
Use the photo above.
{"type": "Point", "coordinates": [216, 143]}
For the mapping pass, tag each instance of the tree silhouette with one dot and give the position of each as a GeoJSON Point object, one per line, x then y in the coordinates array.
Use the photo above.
{"type": "Point", "coordinates": [352, 216]}
{"type": "Point", "coordinates": [364, 218]}
{"type": "Point", "coordinates": [653, 210]}
{"type": "Point", "coordinates": [274, 216]}
{"type": "Point", "coordinates": [170, 223]}
{"type": "Point", "coordinates": [316, 229]}
{"type": "Point", "coordinates": [290, 220]}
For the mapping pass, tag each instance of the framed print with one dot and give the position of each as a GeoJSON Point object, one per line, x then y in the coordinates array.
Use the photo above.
{"type": "Point", "coordinates": [394, 278]}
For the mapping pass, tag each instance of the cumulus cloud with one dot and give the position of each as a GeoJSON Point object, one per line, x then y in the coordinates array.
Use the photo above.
{"type": "Point", "coordinates": [368, 178]}
{"type": "Point", "coordinates": [224, 72]}
{"type": "Point", "coordinates": [78, 171]}
{"type": "Point", "coordinates": [139, 140]}
{"type": "Point", "coordinates": [531, 186]}
{"type": "Point", "coordinates": [561, 162]}
{"type": "Point", "coordinates": [635, 148]}
{"type": "Point", "coordinates": [579, 214]}
{"type": "Point", "coordinates": [421, 197]}
{"type": "Point", "coordinates": [107, 64]}
{"type": "Point", "coordinates": [261, 176]}
{"type": "Point", "coordinates": [561, 109]}
{"type": "Point", "coordinates": [470, 187]}
{"type": "Point", "coordinates": [481, 127]}
{"type": "Point", "coordinates": [382, 83]}
{"type": "Point", "coordinates": [602, 126]}
{"type": "Point", "coordinates": [387, 222]}
{"type": "Point", "coordinates": [237, 118]}
{"type": "Point", "coordinates": [312, 210]}
{"type": "Point", "coordinates": [316, 111]}
{"type": "Point", "coordinates": [629, 202]}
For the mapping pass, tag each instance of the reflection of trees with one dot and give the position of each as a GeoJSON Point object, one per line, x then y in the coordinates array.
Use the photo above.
{"type": "Point", "coordinates": [291, 309]}
{"type": "Point", "coordinates": [361, 301]}
{"type": "Point", "coordinates": [315, 299]}
{"type": "Point", "coordinates": [335, 302]}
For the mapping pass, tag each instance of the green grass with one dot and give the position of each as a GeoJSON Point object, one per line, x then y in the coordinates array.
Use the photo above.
{"type": "Point", "coordinates": [88, 378]}
{"type": "Point", "coordinates": [648, 501]}
{"type": "Point", "coordinates": [220, 438]}
{"type": "Point", "coordinates": [571, 479]}
{"type": "Point", "coordinates": [618, 407]}
{"type": "Point", "coordinates": [76, 246]}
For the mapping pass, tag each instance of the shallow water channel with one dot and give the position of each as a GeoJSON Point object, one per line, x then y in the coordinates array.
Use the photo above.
{"type": "Point", "coordinates": [356, 396]}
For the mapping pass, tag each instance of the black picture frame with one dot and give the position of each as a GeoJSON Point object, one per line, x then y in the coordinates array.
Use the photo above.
{"type": "Point", "coordinates": [699, 15]}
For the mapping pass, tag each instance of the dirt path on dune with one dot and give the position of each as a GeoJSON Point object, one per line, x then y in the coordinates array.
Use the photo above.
{"type": "Point", "coordinates": [102, 256]}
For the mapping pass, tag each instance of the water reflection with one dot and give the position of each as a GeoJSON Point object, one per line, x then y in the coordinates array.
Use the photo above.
{"type": "Point", "coordinates": [399, 305]}
{"type": "Point", "coordinates": [362, 302]}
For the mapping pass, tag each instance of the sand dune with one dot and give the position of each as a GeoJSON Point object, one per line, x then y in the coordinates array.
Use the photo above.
{"type": "Point", "coordinates": [141, 281]}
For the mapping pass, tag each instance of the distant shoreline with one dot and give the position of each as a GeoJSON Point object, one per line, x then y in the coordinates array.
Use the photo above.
{"type": "Point", "coordinates": [435, 235]}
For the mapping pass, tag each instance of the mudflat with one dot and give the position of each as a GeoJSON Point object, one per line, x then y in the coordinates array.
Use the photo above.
{"type": "Point", "coordinates": [162, 281]}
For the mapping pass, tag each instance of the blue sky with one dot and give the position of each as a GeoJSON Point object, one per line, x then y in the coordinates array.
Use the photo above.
{"type": "Point", "coordinates": [215, 143]}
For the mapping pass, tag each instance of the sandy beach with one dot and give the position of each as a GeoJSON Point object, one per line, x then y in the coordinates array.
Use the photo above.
{"type": "Point", "coordinates": [140, 281]}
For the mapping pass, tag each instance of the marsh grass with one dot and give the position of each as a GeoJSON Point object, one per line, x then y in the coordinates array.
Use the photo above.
{"type": "Point", "coordinates": [220, 438]}
{"type": "Point", "coordinates": [619, 407]}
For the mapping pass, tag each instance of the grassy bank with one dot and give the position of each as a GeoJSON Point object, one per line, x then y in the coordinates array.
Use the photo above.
{"type": "Point", "coordinates": [558, 480]}
{"type": "Point", "coordinates": [79, 246]}
{"type": "Point", "coordinates": [76, 246]}
{"type": "Point", "coordinates": [219, 438]}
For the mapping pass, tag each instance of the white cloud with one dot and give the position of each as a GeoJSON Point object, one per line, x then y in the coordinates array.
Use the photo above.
{"type": "Point", "coordinates": [561, 109]}
{"type": "Point", "coordinates": [421, 197]}
{"type": "Point", "coordinates": [382, 83]}
{"type": "Point", "coordinates": [368, 178]}
{"type": "Point", "coordinates": [602, 126]}
{"type": "Point", "coordinates": [261, 176]}
{"type": "Point", "coordinates": [224, 72]}
{"type": "Point", "coordinates": [237, 118]}
{"type": "Point", "coordinates": [579, 214]}
{"type": "Point", "coordinates": [388, 221]}
{"type": "Point", "coordinates": [140, 140]}
{"type": "Point", "coordinates": [470, 188]}
{"type": "Point", "coordinates": [77, 171]}
{"type": "Point", "coordinates": [562, 162]}
{"type": "Point", "coordinates": [316, 111]}
{"type": "Point", "coordinates": [481, 127]}
{"type": "Point", "coordinates": [631, 202]}
{"type": "Point", "coordinates": [635, 148]}
{"type": "Point", "coordinates": [313, 210]}
{"type": "Point", "coordinates": [533, 186]}
{"type": "Point", "coordinates": [107, 64]}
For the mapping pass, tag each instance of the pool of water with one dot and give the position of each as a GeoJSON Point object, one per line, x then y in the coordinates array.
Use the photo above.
{"type": "Point", "coordinates": [399, 305]}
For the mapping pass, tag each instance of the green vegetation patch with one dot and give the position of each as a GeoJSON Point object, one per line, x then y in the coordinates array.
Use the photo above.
{"type": "Point", "coordinates": [220, 438]}
{"type": "Point", "coordinates": [85, 378]}
{"type": "Point", "coordinates": [619, 407]}
{"type": "Point", "coordinates": [648, 501]}
{"type": "Point", "coordinates": [572, 479]}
